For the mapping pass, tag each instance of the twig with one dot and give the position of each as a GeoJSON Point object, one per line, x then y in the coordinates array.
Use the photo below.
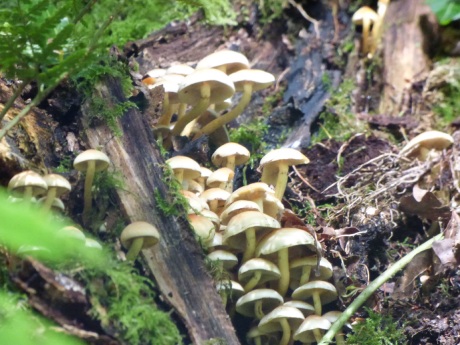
{"type": "Point", "coordinates": [372, 287]}
{"type": "Point", "coordinates": [304, 180]}
{"type": "Point", "coordinates": [306, 16]}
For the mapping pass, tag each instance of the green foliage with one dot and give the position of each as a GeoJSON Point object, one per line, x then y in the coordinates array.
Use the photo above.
{"type": "Point", "coordinates": [18, 325]}
{"type": "Point", "coordinates": [447, 107]}
{"type": "Point", "coordinates": [175, 202]}
{"type": "Point", "coordinates": [377, 330]}
{"type": "Point", "coordinates": [337, 119]}
{"type": "Point", "coordinates": [65, 165]}
{"type": "Point", "coordinates": [251, 135]}
{"type": "Point", "coordinates": [124, 299]}
{"type": "Point", "coordinates": [446, 10]}
{"type": "Point", "coordinates": [271, 9]}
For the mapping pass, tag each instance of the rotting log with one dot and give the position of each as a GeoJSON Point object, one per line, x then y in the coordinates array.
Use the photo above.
{"type": "Point", "coordinates": [409, 38]}
{"type": "Point", "coordinates": [177, 262]}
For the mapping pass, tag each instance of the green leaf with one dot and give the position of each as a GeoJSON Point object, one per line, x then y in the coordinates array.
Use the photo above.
{"type": "Point", "coordinates": [445, 10]}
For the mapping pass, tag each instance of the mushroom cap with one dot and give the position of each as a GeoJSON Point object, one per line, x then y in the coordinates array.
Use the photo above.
{"type": "Point", "coordinates": [195, 187]}
{"type": "Point", "coordinates": [270, 300]}
{"type": "Point", "coordinates": [56, 205]}
{"type": "Point", "coordinates": [156, 73]}
{"type": "Point", "coordinates": [304, 307]}
{"type": "Point", "coordinates": [237, 207]}
{"type": "Point", "coordinates": [196, 205]}
{"type": "Point", "coordinates": [172, 78]}
{"type": "Point", "coordinates": [169, 87]}
{"type": "Point", "coordinates": [228, 260]}
{"type": "Point", "coordinates": [220, 156]}
{"type": "Point", "coordinates": [273, 206]}
{"type": "Point", "coordinates": [284, 155]}
{"type": "Point", "coordinates": [93, 244]}
{"type": "Point", "coordinates": [234, 288]}
{"type": "Point", "coordinates": [286, 238]}
{"type": "Point", "coordinates": [73, 233]}
{"type": "Point", "coordinates": [250, 192]}
{"type": "Point", "coordinates": [220, 84]}
{"type": "Point", "coordinates": [203, 228]}
{"type": "Point", "coordinates": [364, 12]}
{"type": "Point", "coordinates": [429, 140]}
{"type": "Point", "coordinates": [190, 167]}
{"type": "Point", "coordinates": [221, 175]}
{"type": "Point", "coordinates": [231, 60]}
{"type": "Point", "coordinates": [234, 235]}
{"type": "Point", "coordinates": [81, 161]}
{"type": "Point", "coordinates": [213, 217]}
{"type": "Point", "coordinates": [291, 314]}
{"type": "Point", "coordinates": [181, 69]}
{"type": "Point", "coordinates": [327, 291]}
{"type": "Point", "coordinates": [305, 331]}
{"type": "Point", "coordinates": [259, 79]}
{"type": "Point", "coordinates": [57, 181]}
{"type": "Point", "coordinates": [213, 194]}
{"type": "Point", "coordinates": [268, 270]}
{"type": "Point", "coordinates": [296, 266]}
{"type": "Point", "coordinates": [28, 178]}
{"type": "Point", "coordinates": [140, 229]}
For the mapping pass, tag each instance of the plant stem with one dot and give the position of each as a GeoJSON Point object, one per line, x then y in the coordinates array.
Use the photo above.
{"type": "Point", "coordinates": [11, 100]}
{"type": "Point", "coordinates": [372, 287]}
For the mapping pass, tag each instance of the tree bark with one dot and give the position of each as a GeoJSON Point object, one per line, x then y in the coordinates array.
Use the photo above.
{"type": "Point", "coordinates": [177, 262]}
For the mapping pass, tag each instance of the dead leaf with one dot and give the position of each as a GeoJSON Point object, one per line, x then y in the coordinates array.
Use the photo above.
{"type": "Point", "coordinates": [448, 249]}
{"type": "Point", "coordinates": [418, 193]}
{"type": "Point", "coordinates": [429, 207]}
{"type": "Point", "coordinates": [420, 264]}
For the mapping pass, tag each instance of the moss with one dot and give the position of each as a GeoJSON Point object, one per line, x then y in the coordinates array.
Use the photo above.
{"type": "Point", "coordinates": [337, 120]}
{"type": "Point", "coordinates": [272, 101]}
{"type": "Point", "coordinates": [101, 109]}
{"type": "Point", "coordinates": [65, 165]}
{"type": "Point", "coordinates": [124, 300]}
{"type": "Point", "coordinates": [175, 202]}
{"type": "Point", "coordinates": [377, 329]}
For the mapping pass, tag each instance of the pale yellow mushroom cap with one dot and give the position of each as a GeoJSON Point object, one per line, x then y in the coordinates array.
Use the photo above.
{"type": "Point", "coordinates": [81, 161]}
{"type": "Point", "coordinates": [229, 60]}
{"type": "Point", "coordinates": [269, 271]}
{"type": "Point", "coordinates": [305, 331]}
{"type": "Point", "coordinates": [430, 140]}
{"type": "Point", "coordinates": [221, 155]}
{"type": "Point", "coordinates": [270, 300]}
{"type": "Point", "coordinates": [269, 323]}
{"type": "Point", "coordinates": [237, 207]}
{"type": "Point", "coordinates": [29, 178]}
{"type": "Point", "coordinates": [259, 79]}
{"type": "Point", "coordinates": [327, 291]}
{"type": "Point", "coordinates": [140, 229]}
{"type": "Point", "coordinates": [181, 69]}
{"type": "Point", "coordinates": [362, 13]}
{"type": "Point", "coordinates": [190, 168]}
{"type": "Point", "coordinates": [58, 182]}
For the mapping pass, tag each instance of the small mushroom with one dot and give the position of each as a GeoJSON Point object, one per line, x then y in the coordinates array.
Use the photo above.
{"type": "Point", "coordinates": [221, 178]}
{"type": "Point", "coordinates": [26, 185]}
{"type": "Point", "coordinates": [256, 272]}
{"type": "Point", "coordinates": [203, 228]}
{"type": "Point", "coordinates": [184, 169]}
{"type": "Point", "coordinates": [137, 236]}
{"type": "Point", "coordinates": [91, 161]}
{"type": "Point", "coordinates": [311, 329]}
{"type": "Point", "coordinates": [227, 61]}
{"type": "Point", "coordinates": [275, 166]}
{"type": "Point", "coordinates": [321, 292]}
{"type": "Point", "coordinates": [420, 146]}
{"type": "Point", "coordinates": [289, 318]}
{"type": "Point", "coordinates": [216, 198]}
{"type": "Point", "coordinates": [57, 186]}
{"type": "Point", "coordinates": [259, 302]}
{"type": "Point", "coordinates": [365, 16]}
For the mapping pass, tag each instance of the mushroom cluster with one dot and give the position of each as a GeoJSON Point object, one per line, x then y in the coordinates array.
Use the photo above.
{"type": "Point", "coordinates": [279, 278]}
{"type": "Point", "coordinates": [371, 23]}
{"type": "Point", "coordinates": [199, 96]}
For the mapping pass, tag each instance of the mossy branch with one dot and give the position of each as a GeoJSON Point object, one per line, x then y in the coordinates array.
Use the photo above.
{"type": "Point", "coordinates": [372, 287]}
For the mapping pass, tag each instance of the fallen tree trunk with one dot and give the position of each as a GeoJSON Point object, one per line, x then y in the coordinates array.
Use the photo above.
{"type": "Point", "coordinates": [177, 262]}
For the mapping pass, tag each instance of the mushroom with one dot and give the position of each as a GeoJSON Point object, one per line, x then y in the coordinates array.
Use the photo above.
{"type": "Point", "coordinates": [280, 242]}
{"type": "Point", "coordinates": [289, 318]}
{"type": "Point", "coordinates": [420, 146]}
{"type": "Point", "coordinates": [311, 329]}
{"type": "Point", "coordinates": [223, 258]}
{"type": "Point", "coordinates": [320, 291]}
{"type": "Point", "coordinates": [57, 186]}
{"type": "Point", "coordinates": [181, 69]}
{"type": "Point", "coordinates": [232, 289]}
{"type": "Point", "coordinates": [91, 161]}
{"type": "Point", "coordinates": [227, 61]}
{"type": "Point", "coordinates": [137, 236]}
{"type": "Point", "coordinates": [151, 76]}
{"type": "Point", "coordinates": [332, 317]}
{"type": "Point", "coordinates": [301, 268]}
{"type": "Point", "coordinates": [257, 271]}
{"type": "Point", "coordinates": [256, 192]}
{"type": "Point", "coordinates": [205, 173]}
{"type": "Point", "coordinates": [275, 166]}
{"type": "Point", "coordinates": [214, 218]}
{"type": "Point", "coordinates": [200, 89]}
{"type": "Point", "coordinates": [304, 307]}
{"type": "Point", "coordinates": [365, 16]}
{"type": "Point", "coordinates": [92, 244]}
{"type": "Point", "coordinates": [215, 197]}
{"type": "Point", "coordinates": [184, 169]}
{"type": "Point", "coordinates": [170, 98]}
{"type": "Point", "coordinates": [74, 234]}
{"type": "Point", "coordinates": [221, 178]}
{"type": "Point", "coordinates": [229, 155]}
{"type": "Point", "coordinates": [259, 302]}
{"type": "Point", "coordinates": [242, 228]}
{"type": "Point", "coordinates": [203, 228]}
{"type": "Point", "coordinates": [237, 207]}
{"type": "Point", "coordinates": [196, 205]}
{"type": "Point", "coordinates": [26, 185]}
{"type": "Point", "coordinates": [247, 81]}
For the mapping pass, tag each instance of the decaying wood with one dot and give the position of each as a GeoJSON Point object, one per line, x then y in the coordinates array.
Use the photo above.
{"type": "Point", "coordinates": [177, 262]}
{"type": "Point", "coordinates": [410, 31]}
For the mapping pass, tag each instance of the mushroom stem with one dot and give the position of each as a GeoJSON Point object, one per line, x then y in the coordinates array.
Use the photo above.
{"type": "Point", "coordinates": [27, 197]}
{"type": "Point", "coordinates": [49, 199]}
{"type": "Point", "coordinates": [253, 281]}
{"type": "Point", "coordinates": [306, 270]}
{"type": "Point", "coordinates": [87, 193]}
{"type": "Point", "coordinates": [196, 111]}
{"type": "Point", "coordinates": [135, 249]}
{"type": "Point", "coordinates": [250, 244]}
{"type": "Point", "coordinates": [182, 109]}
{"type": "Point", "coordinates": [318, 334]}
{"type": "Point", "coordinates": [366, 30]}
{"type": "Point", "coordinates": [231, 115]}
{"type": "Point", "coordinates": [231, 163]}
{"type": "Point", "coordinates": [283, 265]}
{"type": "Point", "coordinates": [166, 116]}
{"type": "Point", "coordinates": [317, 303]}
{"type": "Point", "coordinates": [281, 181]}
{"type": "Point", "coordinates": [286, 332]}
{"type": "Point", "coordinates": [339, 339]}
{"type": "Point", "coordinates": [179, 174]}
{"type": "Point", "coordinates": [258, 310]}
